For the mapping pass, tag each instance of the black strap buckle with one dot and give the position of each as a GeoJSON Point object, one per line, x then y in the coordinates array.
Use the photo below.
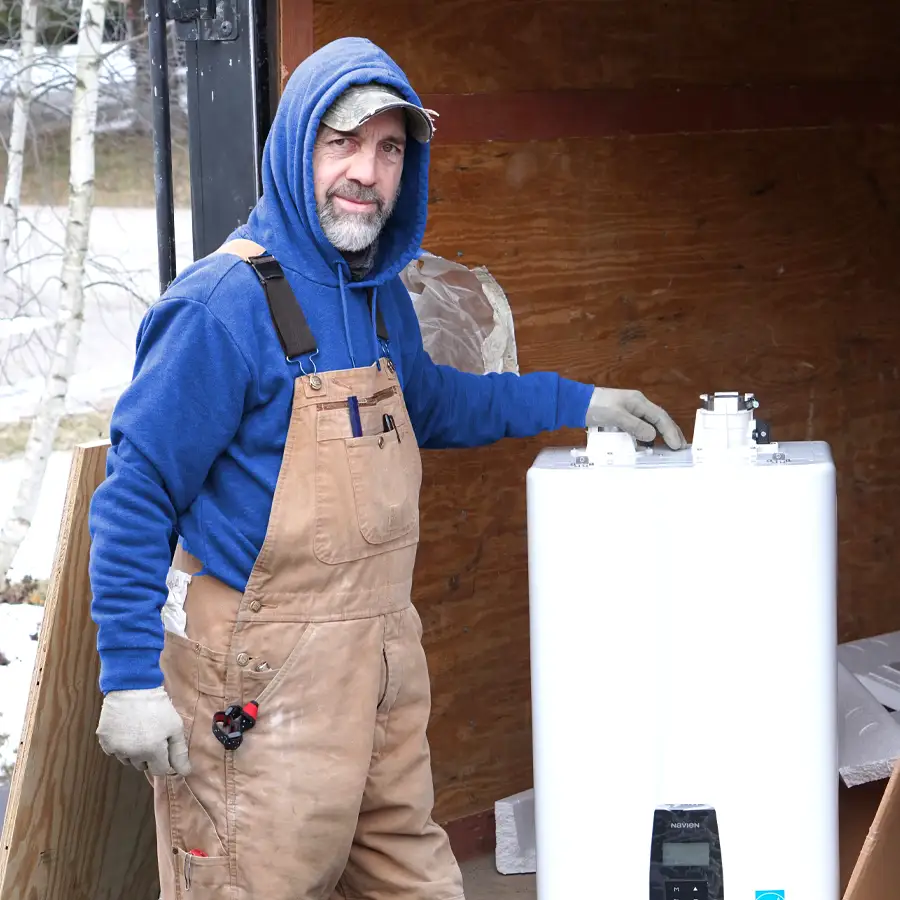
{"type": "Point", "coordinates": [266, 267]}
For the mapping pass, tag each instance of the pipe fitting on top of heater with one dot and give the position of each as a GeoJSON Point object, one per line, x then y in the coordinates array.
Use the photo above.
{"type": "Point", "coordinates": [726, 429]}
{"type": "Point", "coordinates": [608, 446]}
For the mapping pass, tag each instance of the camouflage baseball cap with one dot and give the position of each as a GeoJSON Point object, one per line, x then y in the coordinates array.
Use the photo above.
{"type": "Point", "coordinates": [360, 103]}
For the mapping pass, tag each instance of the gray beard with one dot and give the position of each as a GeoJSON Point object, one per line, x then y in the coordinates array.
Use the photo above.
{"type": "Point", "coordinates": [354, 232]}
{"type": "Point", "coordinates": [350, 232]}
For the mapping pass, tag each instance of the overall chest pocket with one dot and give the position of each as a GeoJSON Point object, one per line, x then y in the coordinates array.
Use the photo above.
{"type": "Point", "coordinates": [367, 487]}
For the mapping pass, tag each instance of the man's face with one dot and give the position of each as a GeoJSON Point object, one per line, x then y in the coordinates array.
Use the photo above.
{"type": "Point", "coordinates": [357, 178]}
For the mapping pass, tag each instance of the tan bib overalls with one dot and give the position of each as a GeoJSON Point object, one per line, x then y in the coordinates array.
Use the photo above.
{"type": "Point", "coordinates": [330, 793]}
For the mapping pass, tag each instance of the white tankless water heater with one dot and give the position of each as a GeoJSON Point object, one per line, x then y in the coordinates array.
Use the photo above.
{"type": "Point", "coordinates": [683, 662]}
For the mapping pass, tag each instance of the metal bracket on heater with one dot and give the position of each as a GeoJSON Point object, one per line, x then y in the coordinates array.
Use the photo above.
{"type": "Point", "coordinates": [742, 401]}
{"type": "Point", "coordinates": [726, 427]}
{"type": "Point", "coordinates": [203, 20]}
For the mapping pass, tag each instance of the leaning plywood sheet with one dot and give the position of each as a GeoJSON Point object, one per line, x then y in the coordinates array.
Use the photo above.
{"type": "Point", "coordinates": [79, 824]}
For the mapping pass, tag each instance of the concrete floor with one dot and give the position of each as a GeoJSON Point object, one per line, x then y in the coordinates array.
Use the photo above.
{"type": "Point", "coordinates": [482, 881]}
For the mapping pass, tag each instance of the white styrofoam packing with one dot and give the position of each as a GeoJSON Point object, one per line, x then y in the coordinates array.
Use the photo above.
{"type": "Point", "coordinates": [869, 738]}
{"type": "Point", "coordinates": [515, 852]}
{"type": "Point", "coordinates": [875, 661]}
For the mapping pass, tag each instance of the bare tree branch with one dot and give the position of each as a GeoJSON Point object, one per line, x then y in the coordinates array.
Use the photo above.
{"type": "Point", "coordinates": [70, 315]}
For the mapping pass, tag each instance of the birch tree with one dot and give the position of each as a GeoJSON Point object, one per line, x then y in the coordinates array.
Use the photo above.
{"type": "Point", "coordinates": [70, 313]}
{"type": "Point", "coordinates": [142, 104]}
{"type": "Point", "coordinates": [9, 213]}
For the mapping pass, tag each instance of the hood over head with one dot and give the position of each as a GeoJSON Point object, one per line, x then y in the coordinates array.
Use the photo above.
{"type": "Point", "coordinates": [285, 220]}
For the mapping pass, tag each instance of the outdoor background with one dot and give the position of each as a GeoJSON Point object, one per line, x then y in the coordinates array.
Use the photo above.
{"type": "Point", "coordinates": [120, 279]}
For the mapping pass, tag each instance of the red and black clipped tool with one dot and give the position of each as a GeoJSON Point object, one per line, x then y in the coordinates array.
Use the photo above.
{"type": "Point", "coordinates": [230, 724]}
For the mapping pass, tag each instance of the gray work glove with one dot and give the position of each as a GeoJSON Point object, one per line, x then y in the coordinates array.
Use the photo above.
{"type": "Point", "coordinates": [631, 411]}
{"type": "Point", "coordinates": [144, 729]}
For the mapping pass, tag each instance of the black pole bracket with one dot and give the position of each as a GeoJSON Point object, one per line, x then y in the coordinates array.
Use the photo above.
{"type": "Point", "coordinates": [226, 49]}
{"type": "Point", "coordinates": [203, 20]}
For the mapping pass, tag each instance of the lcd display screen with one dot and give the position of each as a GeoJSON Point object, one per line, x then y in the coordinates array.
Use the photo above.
{"type": "Point", "coordinates": [685, 853]}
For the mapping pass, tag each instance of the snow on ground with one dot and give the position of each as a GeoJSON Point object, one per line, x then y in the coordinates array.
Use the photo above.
{"type": "Point", "coordinates": [123, 247]}
{"type": "Point", "coordinates": [122, 278]}
{"type": "Point", "coordinates": [37, 551]}
{"type": "Point", "coordinates": [18, 623]}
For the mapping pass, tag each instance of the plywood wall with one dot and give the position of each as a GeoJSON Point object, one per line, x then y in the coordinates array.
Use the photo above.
{"type": "Point", "coordinates": [461, 46]}
{"type": "Point", "coordinates": [762, 260]}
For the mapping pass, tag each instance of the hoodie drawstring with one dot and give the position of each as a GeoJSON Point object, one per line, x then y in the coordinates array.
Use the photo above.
{"type": "Point", "coordinates": [346, 321]}
{"type": "Point", "coordinates": [375, 328]}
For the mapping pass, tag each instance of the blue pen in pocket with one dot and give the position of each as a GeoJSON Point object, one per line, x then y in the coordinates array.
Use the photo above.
{"type": "Point", "coordinates": [355, 424]}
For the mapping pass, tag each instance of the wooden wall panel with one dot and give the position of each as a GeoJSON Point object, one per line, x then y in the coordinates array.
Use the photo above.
{"type": "Point", "coordinates": [677, 264]}
{"type": "Point", "coordinates": [292, 33]}
{"type": "Point", "coordinates": [461, 46]}
{"type": "Point", "coordinates": [759, 261]}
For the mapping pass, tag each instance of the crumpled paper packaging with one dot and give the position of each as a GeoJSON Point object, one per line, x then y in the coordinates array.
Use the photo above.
{"type": "Point", "coordinates": [464, 315]}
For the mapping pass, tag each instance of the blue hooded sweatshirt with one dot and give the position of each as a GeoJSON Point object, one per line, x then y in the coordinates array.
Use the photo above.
{"type": "Point", "coordinates": [197, 437]}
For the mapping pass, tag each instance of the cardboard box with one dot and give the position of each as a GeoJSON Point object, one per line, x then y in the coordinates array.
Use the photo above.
{"type": "Point", "coordinates": [870, 839]}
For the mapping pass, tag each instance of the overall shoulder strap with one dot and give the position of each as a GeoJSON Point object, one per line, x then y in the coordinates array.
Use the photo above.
{"type": "Point", "coordinates": [290, 323]}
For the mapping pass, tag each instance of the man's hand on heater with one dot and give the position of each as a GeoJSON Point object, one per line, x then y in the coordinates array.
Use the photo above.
{"type": "Point", "coordinates": [631, 411]}
{"type": "Point", "coordinates": [142, 728]}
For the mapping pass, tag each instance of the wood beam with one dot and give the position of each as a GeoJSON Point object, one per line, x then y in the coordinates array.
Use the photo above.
{"type": "Point", "coordinates": [699, 109]}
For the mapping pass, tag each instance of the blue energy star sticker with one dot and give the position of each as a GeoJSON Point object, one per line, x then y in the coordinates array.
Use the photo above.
{"type": "Point", "coordinates": [770, 895]}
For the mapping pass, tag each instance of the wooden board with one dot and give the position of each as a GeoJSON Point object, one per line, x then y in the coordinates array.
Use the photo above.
{"type": "Point", "coordinates": [293, 36]}
{"type": "Point", "coordinates": [673, 264]}
{"type": "Point", "coordinates": [765, 261]}
{"type": "Point", "coordinates": [473, 46]}
{"type": "Point", "coordinates": [758, 261]}
{"type": "Point", "coordinates": [678, 264]}
{"type": "Point", "coordinates": [79, 825]}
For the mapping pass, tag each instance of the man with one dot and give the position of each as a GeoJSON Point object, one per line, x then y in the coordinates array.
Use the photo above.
{"type": "Point", "coordinates": [280, 397]}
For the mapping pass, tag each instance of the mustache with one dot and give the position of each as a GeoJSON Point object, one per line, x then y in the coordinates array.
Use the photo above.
{"type": "Point", "coordinates": [352, 190]}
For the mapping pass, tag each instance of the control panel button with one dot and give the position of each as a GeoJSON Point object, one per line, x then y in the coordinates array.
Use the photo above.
{"type": "Point", "coordinates": [687, 890]}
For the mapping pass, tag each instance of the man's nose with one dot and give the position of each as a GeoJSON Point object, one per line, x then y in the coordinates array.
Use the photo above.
{"type": "Point", "coordinates": [362, 167]}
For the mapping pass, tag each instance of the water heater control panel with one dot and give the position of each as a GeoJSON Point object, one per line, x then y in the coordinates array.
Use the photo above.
{"type": "Point", "coordinates": [685, 854]}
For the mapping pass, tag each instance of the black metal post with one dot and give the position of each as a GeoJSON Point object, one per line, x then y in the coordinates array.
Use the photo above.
{"type": "Point", "coordinates": [162, 141]}
{"type": "Point", "coordinates": [228, 116]}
